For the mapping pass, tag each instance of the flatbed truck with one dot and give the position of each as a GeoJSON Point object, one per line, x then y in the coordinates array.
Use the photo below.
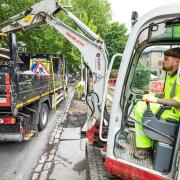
{"type": "Point", "coordinates": [31, 85]}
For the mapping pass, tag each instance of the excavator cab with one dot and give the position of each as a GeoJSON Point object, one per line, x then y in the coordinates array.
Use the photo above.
{"type": "Point", "coordinates": [144, 73]}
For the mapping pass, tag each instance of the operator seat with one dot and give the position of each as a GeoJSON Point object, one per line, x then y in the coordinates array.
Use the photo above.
{"type": "Point", "coordinates": [164, 133]}
{"type": "Point", "coordinates": [161, 130]}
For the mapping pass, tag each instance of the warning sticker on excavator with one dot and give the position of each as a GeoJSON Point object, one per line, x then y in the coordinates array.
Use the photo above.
{"type": "Point", "coordinates": [27, 19]}
{"type": "Point", "coordinates": [96, 77]}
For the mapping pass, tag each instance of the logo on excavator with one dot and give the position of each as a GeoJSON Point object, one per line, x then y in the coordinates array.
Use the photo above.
{"type": "Point", "coordinates": [74, 39]}
{"type": "Point", "coordinates": [98, 61]}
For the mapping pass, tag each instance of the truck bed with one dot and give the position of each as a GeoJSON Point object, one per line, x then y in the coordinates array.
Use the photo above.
{"type": "Point", "coordinates": [32, 86]}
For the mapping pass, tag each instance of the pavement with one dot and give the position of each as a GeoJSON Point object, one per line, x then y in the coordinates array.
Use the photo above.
{"type": "Point", "coordinates": [64, 158]}
{"type": "Point", "coordinates": [70, 158]}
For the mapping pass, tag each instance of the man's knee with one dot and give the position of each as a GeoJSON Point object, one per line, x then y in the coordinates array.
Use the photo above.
{"type": "Point", "coordinates": [139, 109]}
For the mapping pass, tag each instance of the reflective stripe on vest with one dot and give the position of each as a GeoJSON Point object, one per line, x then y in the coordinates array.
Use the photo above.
{"type": "Point", "coordinates": [173, 90]}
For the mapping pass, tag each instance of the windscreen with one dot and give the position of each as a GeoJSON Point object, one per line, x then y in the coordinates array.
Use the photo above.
{"type": "Point", "coordinates": [164, 32]}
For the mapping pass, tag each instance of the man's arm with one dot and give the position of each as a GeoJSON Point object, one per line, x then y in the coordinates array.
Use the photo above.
{"type": "Point", "coordinates": [171, 102]}
{"type": "Point", "coordinates": [159, 95]}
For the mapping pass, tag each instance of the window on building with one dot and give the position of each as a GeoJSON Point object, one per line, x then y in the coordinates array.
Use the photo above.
{"type": "Point", "coordinates": [159, 63]}
{"type": "Point", "coordinates": [160, 54]}
{"type": "Point", "coordinates": [147, 55]}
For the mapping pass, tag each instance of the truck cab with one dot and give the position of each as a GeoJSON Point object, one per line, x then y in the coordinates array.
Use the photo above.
{"type": "Point", "coordinates": [151, 36]}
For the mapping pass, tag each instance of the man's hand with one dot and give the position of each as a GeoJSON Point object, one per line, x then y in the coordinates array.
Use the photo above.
{"type": "Point", "coordinates": [149, 98]}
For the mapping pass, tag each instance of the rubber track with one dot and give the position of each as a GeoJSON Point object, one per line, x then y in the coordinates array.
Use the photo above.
{"type": "Point", "coordinates": [94, 164]}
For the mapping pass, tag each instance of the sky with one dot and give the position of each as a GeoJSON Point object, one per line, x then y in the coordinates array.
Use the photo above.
{"type": "Point", "coordinates": [122, 9]}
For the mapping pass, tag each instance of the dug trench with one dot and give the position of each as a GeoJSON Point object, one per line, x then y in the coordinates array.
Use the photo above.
{"type": "Point", "coordinates": [77, 114]}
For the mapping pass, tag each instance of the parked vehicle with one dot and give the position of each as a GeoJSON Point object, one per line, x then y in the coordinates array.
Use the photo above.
{"type": "Point", "coordinates": [31, 85]}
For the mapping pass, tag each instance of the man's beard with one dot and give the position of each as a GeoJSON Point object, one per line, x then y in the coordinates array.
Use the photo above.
{"type": "Point", "coordinates": [163, 68]}
{"type": "Point", "coordinates": [166, 68]}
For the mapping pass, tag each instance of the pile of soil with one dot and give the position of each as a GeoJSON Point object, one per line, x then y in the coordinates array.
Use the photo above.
{"type": "Point", "coordinates": [77, 114]}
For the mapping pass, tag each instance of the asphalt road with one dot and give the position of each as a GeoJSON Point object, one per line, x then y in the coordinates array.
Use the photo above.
{"type": "Point", "coordinates": [18, 160]}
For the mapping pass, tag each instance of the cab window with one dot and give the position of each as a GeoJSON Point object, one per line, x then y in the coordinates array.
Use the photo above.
{"type": "Point", "coordinates": [148, 75]}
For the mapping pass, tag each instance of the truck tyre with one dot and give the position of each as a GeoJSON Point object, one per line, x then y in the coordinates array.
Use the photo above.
{"type": "Point", "coordinates": [43, 116]}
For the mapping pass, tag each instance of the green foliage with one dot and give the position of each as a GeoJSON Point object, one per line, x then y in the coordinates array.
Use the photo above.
{"type": "Point", "coordinates": [115, 37]}
{"type": "Point", "coordinates": [114, 73]}
{"type": "Point", "coordinates": [96, 14]}
{"type": "Point", "coordinates": [141, 78]}
{"type": "Point", "coordinates": [9, 8]}
{"type": "Point", "coordinates": [80, 88]}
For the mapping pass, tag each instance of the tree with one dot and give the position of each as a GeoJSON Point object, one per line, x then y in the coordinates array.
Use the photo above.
{"type": "Point", "coordinates": [96, 14]}
{"type": "Point", "coordinates": [141, 78]}
{"type": "Point", "coordinates": [9, 8]}
{"type": "Point", "coordinates": [115, 37]}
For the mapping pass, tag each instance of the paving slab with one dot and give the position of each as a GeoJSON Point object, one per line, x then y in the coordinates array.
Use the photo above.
{"type": "Point", "coordinates": [43, 175]}
{"type": "Point", "coordinates": [69, 161]}
{"type": "Point", "coordinates": [70, 133]}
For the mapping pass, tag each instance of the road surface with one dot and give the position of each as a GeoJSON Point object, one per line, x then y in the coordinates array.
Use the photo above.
{"type": "Point", "coordinates": [18, 160]}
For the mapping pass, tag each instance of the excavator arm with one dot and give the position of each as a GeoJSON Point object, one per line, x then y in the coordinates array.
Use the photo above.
{"type": "Point", "coordinates": [91, 46]}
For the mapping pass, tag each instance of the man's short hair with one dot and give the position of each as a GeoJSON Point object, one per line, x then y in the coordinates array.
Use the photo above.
{"type": "Point", "coordinates": [173, 52]}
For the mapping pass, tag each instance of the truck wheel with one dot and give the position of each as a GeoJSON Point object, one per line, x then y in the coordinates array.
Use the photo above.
{"type": "Point", "coordinates": [43, 117]}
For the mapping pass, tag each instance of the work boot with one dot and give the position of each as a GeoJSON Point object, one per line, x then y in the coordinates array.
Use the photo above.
{"type": "Point", "coordinates": [142, 153]}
